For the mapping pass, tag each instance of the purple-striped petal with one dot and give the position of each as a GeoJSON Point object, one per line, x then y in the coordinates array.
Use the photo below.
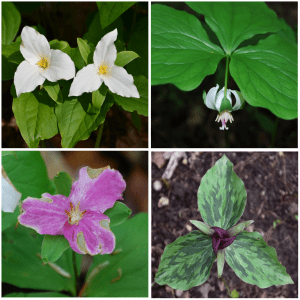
{"type": "Point", "coordinates": [97, 192]}
{"type": "Point", "coordinates": [92, 235]}
{"type": "Point", "coordinates": [46, 215]}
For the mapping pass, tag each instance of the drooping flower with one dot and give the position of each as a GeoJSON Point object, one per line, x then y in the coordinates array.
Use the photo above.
{"type": "Point", "coordinates": [10, 196]}
{"type": "Point", "coordinates": [40, 62]}
{"type": "Point", "coordinates": [216, 100]}
{"type": "Point", "coordinates": [116, 78]}
{"type": "Point", "coordinates": [79, 217]}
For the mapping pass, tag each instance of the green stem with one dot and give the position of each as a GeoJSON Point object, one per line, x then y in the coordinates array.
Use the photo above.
{"type": "Point", "coordinates": [99, 135]}
{"type": "Point", "coordinates": [75, 272]}
{"type": "Point", "coordinates": [228, 290]}
{"type": "Point", "coordinates": [226, 75]}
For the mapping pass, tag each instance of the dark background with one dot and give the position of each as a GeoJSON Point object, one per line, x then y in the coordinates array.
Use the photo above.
{"type": "Point", "coordinates": [271, 182]}
{"type": "Point", "coordinates": [67, 21]}
{"type": "Point", "coordinates": [181, 120]}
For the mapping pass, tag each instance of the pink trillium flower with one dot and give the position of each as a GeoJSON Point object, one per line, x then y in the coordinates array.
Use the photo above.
{"type": "Point", "coordinates": [79, 217]}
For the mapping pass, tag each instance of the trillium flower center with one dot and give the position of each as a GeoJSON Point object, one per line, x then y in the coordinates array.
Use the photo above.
{"type": "Point", "coordinates": [74, 215]}
{"type": "Point", "coordinates": [43, 63]}
{"type": "Point", "coordinates": [102, 70]}
{"type": "Point", "coordinates": [224, 116]}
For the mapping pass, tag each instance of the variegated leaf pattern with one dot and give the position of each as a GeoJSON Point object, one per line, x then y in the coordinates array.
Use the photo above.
{"type": "Point", "coordinates": [221, 195]}
{"type": "Point", "coordinates": [186, 262]}
{"type": "Point", "coordinates": [255, 262]}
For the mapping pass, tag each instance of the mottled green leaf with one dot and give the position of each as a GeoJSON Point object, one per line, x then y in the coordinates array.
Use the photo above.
{"type": "Point", "coordinates": [63, 183]}
{"type": "Point", "coordinates": [138, 104]}
{"type": "Point", "coordinates": [118, 213]}
{"type": "Point", "coordinates": [11, 21]}
{"type": "Point", "coordinates": [234, 22]}
{"type": "Point", "coordinates": [267, 75]}
{"type": "Point", "coordinates": [255, 262]}
{"type": "Point", "coordinates": [35, 117]}
{"type": "Point", "coordinates": [181, 52]}
{"type": "Point", "coordinates": [221, 195]}
{"type": "Point", "coordinates": [53, 247]}
{"type": "Point", "coordinates": [186, 262]}
{"type": "Point", "coordinates": [109, 11]}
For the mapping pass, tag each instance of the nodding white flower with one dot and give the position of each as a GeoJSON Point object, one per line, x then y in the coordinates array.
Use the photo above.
{"type": "Point", "coordinates": [10, 196]}
{"type": "Point", "coordinates": [40, 62]}
{"type": "Point", "coordinates": [116, 78]}
{"type": "Point", "coordinates": [216, 100]}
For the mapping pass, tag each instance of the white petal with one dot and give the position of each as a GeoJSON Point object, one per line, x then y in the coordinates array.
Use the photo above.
{"type": "Point", "coordinates": [10, 196]}
{"type": "Point", "coordinates": [61, 66]}
{"type": "Point", "coordinates": [210, 100]}
{"type": "Point", "coordinates": [120, 82]}
{"type": "Point", "coordinates": [219, 97]}
{"type": "Point", "coordinates": [87, 80]}
{"type": "Point", "coordinates": [34, 45]}
{"type": "Point", "coordinates": [239, 100]}
{"type": "Point", "coordinates": [27, 78]}
{"type": "Point", "coordinates": [106, 50]}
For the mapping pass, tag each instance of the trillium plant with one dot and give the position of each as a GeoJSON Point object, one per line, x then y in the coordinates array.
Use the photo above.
{"type": "Point", "coordinates": [57, 222]}
{"type": "Point", "coordinates": [60, 89]}
{"type": "Point", "coordinates": [257, 49]}
{"type": "Point", "coordinates": [187, 262]}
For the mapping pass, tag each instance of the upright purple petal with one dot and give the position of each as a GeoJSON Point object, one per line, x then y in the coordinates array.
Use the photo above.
{"type": "Point", "coordinates": [221, 239]}
{"type": "Point", "coordinates": [97, 193]}
{"type": "Point", "coordinates": [92, 235]}
{"type": "Point", "coordinates": [46, 215]}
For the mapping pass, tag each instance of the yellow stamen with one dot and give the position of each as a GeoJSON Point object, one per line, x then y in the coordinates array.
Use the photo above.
{"type": "Point", "coordinates": [74, 215]}
{"type": "Point", "coordinates": [43, 63]}
{"type": "Point", "coordinates": [102, 70]}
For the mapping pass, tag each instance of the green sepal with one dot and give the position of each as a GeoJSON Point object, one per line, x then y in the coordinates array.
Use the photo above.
{"type": "Point", "coordinates": [225, 105]}
{"type": "Point", "coordinates": [220, 261]}
{"type": "Point", "coordinates": [205, 228]}
{"type": "Point", "coordinates": [233, 231]}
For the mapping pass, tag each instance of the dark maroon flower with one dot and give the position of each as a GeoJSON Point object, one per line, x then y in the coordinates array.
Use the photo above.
{"type": "Point", "coordinates": [221, 239]}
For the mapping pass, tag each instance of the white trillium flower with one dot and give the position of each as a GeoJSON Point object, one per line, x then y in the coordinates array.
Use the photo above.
{"type": "Point", "coordinates": [116, 78]}
{"type": "Point", "coordinates": [40, 62]}
{"type": "Point", "coordinates": [10, 196]}
{"type": "Point", "coordinates": [215, 100]}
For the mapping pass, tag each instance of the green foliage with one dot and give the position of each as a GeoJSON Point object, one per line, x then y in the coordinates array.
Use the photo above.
{"type": "Point", "coordinates": [11, 21]}
{"type": "Point", "coordinates": [63, 183]}
{"type": "Point", "coordinates": [33, 295]}
{"type": "Point", "coordinates": [53, 247]}
{"type": "Point", "coordinates": [118, 213]}
{"type": "Point", "coordinates": [125, 272]}
{"type": "Point", "coordinates": [53, 90]}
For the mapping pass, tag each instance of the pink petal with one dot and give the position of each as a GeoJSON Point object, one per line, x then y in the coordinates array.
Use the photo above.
{"type": "Point", "coordinates": [46, 215]}
{"type": "Point", "coordinates": [100, 193]}
{"type": "Point", "coordinates": [92, 235]}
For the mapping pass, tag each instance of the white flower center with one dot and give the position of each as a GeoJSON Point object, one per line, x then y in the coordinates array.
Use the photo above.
{"type": "Point", "coordinates": [43, 63]}
{"type": "Point", "coordinates": [75, 215]}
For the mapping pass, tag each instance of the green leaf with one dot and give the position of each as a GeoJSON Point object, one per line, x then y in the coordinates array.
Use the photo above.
{"type": "Point", "coordinates": [28, 173]}
{"type": "Point", "coordinates": [234, 22]}
{"type": "Point", "coordinates": [109, 11]}
{"type": "Point", "coordinates": [181, 52]}
{"type": "Point", "coordinates": [130, 259]}
{"type": "Point", "coordinates": [63, 183]}
{"type": "Point", "coordinates": [139, 43]}
{"type": "Point", "coordinates": [138, 104]}
{"type": "Point", "coordinates": [53, 90]}
{"type": "Point", "coordinates": [125, 57]}
{"type": "Point", "coordinates": [267, 75]}
{"type": "Point", "coordinates": [220, 261]}
{"type": "Point", "coordinates": [77, 118]}
{"type": "Point", "coordinates": [186, 262]}
{"type": "Point", "coordinates": [35, 117]}
{"type": "Point", "coordinates": [11, 21]}
{"type": "Point", "coordinates": [53, 247]}
{"type": "Point", "coordinates": [255, 262]}
{"type": "Point", "coordinates": [11, 58]}
{"type": "Point", "coordinates": [234, 294]}
{"type": "Point", "coordinates": [136, 120]}
{"type": "Point", "coordinates": [85, 50]}
{"type": "Point", "coordinates": [21, 249]}
{"type": "Point", "coordinates": [221, 195]}
{"type": "Point", "coordinates": [118, 213]}
{"type": "Point", "coordinates": [32, 295]}
{"type": "Point", "coordinates": [98, 96]}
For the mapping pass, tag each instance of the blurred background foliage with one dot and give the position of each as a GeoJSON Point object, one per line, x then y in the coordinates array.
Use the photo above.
{"type": "Point", "coordinates": [181, 120]}
{"type": "Point", "coordinates": [67, 21]}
